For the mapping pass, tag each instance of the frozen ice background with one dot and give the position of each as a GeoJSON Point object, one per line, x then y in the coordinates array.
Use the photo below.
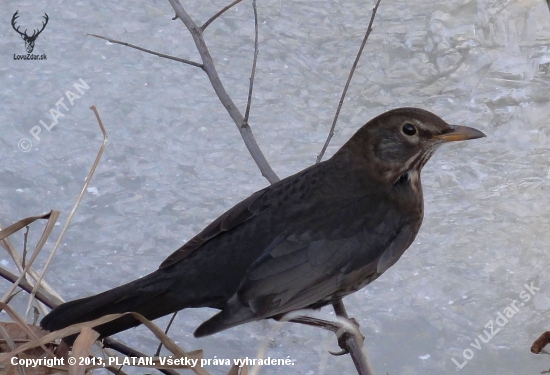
{"type": "Point", "coordinates": [175, 160]}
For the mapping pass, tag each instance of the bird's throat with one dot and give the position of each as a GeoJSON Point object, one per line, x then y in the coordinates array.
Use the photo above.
{"type": "Point", "coordinates": [410, 178]}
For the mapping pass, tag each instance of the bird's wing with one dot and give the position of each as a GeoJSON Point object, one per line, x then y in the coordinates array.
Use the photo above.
{"type": "Point", "coordinates": [282, 191]}
{"type": "Point", "coordinates": [285, 195]}
{"type": "Point", "coordinates": [295, 274]}
{"type": "Point", "coordinates": [298, 272]}
{"type": "Point", "coordinates": [230, 219]}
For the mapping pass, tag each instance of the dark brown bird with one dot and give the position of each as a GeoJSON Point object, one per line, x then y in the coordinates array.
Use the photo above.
{"type": "Point", "coordinates": [303, 242]}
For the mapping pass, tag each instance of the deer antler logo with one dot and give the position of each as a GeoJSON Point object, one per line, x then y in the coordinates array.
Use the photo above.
{"type": "Point", "coordinates": [29, 40]}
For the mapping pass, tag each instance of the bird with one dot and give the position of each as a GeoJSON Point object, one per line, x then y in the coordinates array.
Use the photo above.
{"type": "Point", "coordinates": [301, 243]}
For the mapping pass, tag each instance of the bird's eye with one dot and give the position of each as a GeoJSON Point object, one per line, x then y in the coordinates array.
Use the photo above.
{"type": "Point", "coordinates": [409, 129]}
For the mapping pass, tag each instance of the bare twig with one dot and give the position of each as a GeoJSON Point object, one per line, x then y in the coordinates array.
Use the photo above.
{"type": "Point", "coordinates": [130, 352]}
{"type": "Point", "coordinates": [41, 295]}
{"type": "Point", "coordinates": [77, 203]}
{"type": "Point", "coordinates": [189, 62]}
{"type": "Point", "coordinates": [213, 18]}
{"type": "Point", "coordinates": [210, 70]}
{"type": "Point", "coordinates": [251, 86]}
{"type": "Point", "coordinates": [25, 238]}
{"type": "Point", "coordinates": [331, 132]}
{"type": "Point", "coordinates": [166, 331]}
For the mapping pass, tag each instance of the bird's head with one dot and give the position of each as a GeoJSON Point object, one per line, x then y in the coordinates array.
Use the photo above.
{"type": "Point", "coordinates": [402, 140]}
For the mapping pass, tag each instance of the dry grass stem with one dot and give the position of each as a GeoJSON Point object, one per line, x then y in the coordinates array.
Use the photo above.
{"type": "Point", "coordinates": [52, 219]}
{"type": "Point", "coordinates": [77, 203]}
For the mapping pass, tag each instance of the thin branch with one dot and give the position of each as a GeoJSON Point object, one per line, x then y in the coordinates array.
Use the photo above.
{"type": "Point", "coordinates": [41, 295]}
{"type": "Point", "coordinates": [213, 18]}
{"type": "Point", "coordinates": [251, 87]}
{"type": "Point", "coordinates": [131, 352]}
{"type": "Point", "coordinates": [25, 238]}
{"type": "Point", "coordinates": [77, 203]}
{"type": "Point", "coordinates": [166, 331]}
{"type": "Point", "coordinates": [210, 70]}
{"type": "Point", "coordinates": [351, 343]}
{"type": "Point", "coordinates": [189, 62]}
{"type": "Point", "coordinates": [331, 133]}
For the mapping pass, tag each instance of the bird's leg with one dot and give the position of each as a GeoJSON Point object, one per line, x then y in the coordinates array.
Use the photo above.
{"type": "Point", "coordinates": [340, 333]}
{"type": "Point", "coordinates": [340, 311]}
{"type": "Point", "coordinates": [314, 322]}
{"type": "Point", "coordinates": [325, 324]}
{"type": "Point", "coordinates": [349, 342]}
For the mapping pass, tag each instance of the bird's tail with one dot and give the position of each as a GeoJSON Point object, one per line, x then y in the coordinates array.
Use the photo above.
{"type": "Point", "coordinates": [148, 296]}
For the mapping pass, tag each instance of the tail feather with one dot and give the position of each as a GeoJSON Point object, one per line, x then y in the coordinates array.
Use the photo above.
{"type": "Point", "coordinates": [233, 314]}
{"type": "Point", "coordinates": [148, 296]}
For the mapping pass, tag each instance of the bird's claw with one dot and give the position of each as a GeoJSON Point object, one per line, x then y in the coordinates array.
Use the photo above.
{"type": "Point", "coordinates": [341, 352]}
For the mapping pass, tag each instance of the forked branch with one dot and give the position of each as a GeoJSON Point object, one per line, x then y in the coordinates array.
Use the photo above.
{"type": "Point", "coordinates": [210, 70]}
{"type": "Point", "coordinates": [352, 344]}
{"type": "Point", "coordinates": [222, 11]}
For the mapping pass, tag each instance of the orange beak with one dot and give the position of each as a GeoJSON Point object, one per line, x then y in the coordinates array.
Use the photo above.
{"type": "Point", "coordinates": [460, 133]}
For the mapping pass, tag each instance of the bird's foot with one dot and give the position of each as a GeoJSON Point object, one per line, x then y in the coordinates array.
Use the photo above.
{"type": "Point", "coordinates": [342, 339]}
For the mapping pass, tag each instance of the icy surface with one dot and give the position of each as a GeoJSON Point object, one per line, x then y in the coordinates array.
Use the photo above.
{"type": "Point", "coordinates": [175, 161]}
